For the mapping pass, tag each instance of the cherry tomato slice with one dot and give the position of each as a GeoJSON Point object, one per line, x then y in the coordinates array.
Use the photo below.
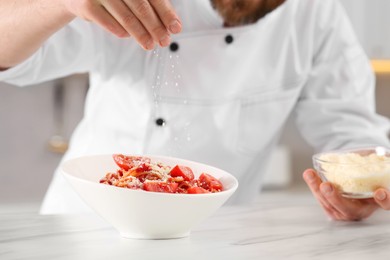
{"type": "Point", "coordinates": [126, 162]}
{"type": "Point", "coordinates": [197, 190]}
{"type": "Point", "coordinates": [160, 187]}
{"type": "Point", "coordinates": [182, 171]}
{"type": "Point", "coordinates": [209, 183]}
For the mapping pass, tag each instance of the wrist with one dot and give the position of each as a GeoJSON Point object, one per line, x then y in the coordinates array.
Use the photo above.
{"type": "Point", "coordinates": [63, 6]}
{"type": "Point", "coordinates": [54, 15]}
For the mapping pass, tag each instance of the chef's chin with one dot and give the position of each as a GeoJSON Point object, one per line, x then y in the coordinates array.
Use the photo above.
{"type": "Point", "coordinates": [242, 12]}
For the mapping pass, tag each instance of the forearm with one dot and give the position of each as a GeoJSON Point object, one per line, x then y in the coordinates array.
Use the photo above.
{"type": "Point", "coordinates": [25, 25]}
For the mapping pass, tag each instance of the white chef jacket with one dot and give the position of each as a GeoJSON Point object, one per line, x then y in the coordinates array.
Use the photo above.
{"type": "Point", "coordinates": [217, 95]}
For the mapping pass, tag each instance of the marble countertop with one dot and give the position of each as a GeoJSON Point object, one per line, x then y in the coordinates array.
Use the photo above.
{"type": "Point", "coordinates": [280, 225]}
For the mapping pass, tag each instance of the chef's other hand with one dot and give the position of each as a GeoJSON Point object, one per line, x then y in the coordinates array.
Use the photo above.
{"type": "Point", "coordinates": [148, 21]}
{"type": "Point", "coordinates": [338, 207]}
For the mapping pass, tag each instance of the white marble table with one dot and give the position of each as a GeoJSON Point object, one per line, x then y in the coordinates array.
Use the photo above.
{"type": "Point", "coordinates": [279, 226]}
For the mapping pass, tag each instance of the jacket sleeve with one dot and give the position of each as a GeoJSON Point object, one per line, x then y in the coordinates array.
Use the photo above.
{"type": "Point", "coordinates": [71, 50]}
{"type": "Point", "coordinates": [336, 108]}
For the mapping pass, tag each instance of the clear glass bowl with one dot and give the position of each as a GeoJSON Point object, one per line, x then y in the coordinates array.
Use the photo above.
{"type": "Point", "coordinates": [357, 173]}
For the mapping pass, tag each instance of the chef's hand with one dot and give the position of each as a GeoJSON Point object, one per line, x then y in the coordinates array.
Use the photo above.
{"type": "Point", "coordinates": [148, 21]}
{"type": "Point", "coordinates": [340, 208]}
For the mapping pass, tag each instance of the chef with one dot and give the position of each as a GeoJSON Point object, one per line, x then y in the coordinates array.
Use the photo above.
{"type": "Point", "coordinates": [211, 81]}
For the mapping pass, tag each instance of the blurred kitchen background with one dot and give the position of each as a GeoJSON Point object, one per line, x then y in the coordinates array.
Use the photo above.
{"type": "Point", "coordinates": [36, 122]}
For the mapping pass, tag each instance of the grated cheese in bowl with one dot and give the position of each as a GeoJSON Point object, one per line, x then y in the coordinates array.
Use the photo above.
{"type": "Point", "coordinates": [357, 173]}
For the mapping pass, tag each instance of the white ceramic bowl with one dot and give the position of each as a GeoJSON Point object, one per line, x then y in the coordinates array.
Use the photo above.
{"type": "Point", "coordinates": [357, 173]}
{"type": "Point", "coordinates": [142, 214]}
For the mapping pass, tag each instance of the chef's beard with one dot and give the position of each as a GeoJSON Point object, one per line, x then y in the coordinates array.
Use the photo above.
{"type": "Point", "coordinates": [242, 12]}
